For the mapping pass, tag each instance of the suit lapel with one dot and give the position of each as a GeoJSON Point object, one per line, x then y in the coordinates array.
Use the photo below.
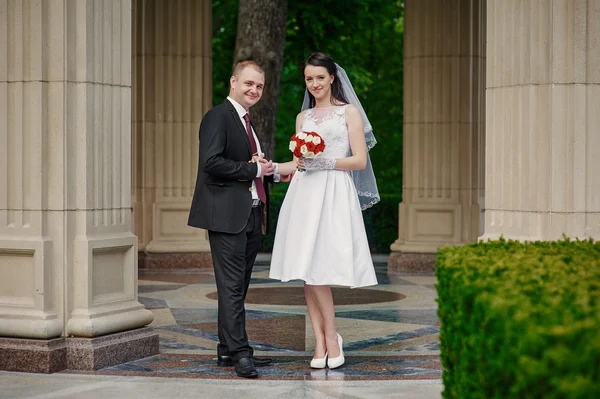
{"type": "Point", "coordinates": [237, 120]}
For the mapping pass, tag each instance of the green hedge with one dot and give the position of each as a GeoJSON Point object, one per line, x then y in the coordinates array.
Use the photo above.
{"type": "Point", "coordinates": [381, 222]}
{"type": "Point", "coordinates": [520, 320]}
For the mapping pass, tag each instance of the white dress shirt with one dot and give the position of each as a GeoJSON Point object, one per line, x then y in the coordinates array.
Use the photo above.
{"type": "Point", "coordinates": [241, 112]}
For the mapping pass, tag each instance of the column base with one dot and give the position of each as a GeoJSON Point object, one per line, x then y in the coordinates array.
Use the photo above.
{"type": "Point", "coordinates": [196, 260]}
{"type": "Point", "coordinates": [50, 356]}
{"type": "Point", "coordinates": [112, 349]}
{"type": "Point", "coordinates": [412, 262]}
{"type": "Point", "coordinates": [170, 232]}
{"type": "Point", "coordinates": [33, 355]}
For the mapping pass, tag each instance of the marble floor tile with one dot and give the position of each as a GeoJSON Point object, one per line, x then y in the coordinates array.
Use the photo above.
{"type": "Point", "coordinates": [187, 339]}
{"type": "Point", "coordinates": [421, 280]}
{"type": "Point", "coordinates": [327, 386]}
{"type": "Point", "coordinates": [390, 330]}
{"type": "Point", "coordinates": [151, 303]}
{"type": "Point", "coordinates": [415, 316]}
{"type": "Point", "coordinates": [163, 317]}
{"type": "Point", "coordinates": [407, 343]}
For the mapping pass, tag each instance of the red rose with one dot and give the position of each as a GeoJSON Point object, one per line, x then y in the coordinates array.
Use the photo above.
{"type": "Point", "coordinates": [320, 146]}
{"type": "Point", "coordinates": [299, 144]}
{"type": "Point", "coordinates": [311, 146]}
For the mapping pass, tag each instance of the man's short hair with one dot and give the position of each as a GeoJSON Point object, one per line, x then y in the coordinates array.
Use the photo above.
{"type": "Point", "coordinates": [240, 66]}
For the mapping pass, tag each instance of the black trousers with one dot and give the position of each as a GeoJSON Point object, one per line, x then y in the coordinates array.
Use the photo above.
{"type": "Point", "coordinates": [233, 258]}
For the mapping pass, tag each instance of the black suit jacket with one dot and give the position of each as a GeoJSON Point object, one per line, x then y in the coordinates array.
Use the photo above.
{"type": "Point", "coordinates": [223, 199]}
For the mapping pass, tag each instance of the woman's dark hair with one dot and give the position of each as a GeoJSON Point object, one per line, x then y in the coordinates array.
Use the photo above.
{"type": "Point", "coordinates": [323, 60]}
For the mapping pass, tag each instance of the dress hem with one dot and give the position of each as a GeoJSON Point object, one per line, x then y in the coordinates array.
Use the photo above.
{"type": "Point", "coordinates": [329, 284]}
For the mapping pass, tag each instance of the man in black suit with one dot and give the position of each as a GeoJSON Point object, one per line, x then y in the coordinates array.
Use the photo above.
{"type": "Point", "coordinates": [231, 202]}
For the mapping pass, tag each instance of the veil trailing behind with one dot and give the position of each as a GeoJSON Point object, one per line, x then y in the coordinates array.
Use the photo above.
{"type": "Point", "coordinates": [364, 180]}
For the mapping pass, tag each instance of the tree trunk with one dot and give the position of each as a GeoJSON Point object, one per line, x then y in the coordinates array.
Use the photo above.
{"type": "Point", "coordinates": [261, 38]}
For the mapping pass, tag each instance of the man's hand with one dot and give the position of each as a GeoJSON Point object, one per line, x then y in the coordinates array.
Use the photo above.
{"type": "Point", "coordinates": [267, 168]}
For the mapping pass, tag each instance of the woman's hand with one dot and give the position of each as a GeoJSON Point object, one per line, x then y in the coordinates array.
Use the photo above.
{"type": "Point", "coordinates": [286, 178]}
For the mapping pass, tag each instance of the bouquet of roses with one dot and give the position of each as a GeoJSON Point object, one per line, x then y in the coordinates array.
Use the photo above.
{"type": "Point", "coordinates": [307, 145]}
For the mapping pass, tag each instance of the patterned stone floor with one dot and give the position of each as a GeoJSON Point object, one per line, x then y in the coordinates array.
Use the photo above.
{"type": "Point", "coordinates": [390, 331]}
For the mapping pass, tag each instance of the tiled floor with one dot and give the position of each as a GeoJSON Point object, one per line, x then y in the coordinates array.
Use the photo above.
{"type": "Point", "coordinates": [390, 331]}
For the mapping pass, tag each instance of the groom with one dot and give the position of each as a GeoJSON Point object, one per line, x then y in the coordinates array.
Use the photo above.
{"type": "Point", "coordinates": [231, 202]}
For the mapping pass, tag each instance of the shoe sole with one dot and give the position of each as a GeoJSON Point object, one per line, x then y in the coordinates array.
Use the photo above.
{"type": "Point", "coordinates": [253, 375]}
{"type": "Point", "coordinates": [224, 364]}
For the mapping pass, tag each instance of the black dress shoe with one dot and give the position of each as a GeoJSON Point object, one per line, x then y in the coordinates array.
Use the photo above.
{"type": "Point", "coordinates": [244, 367]}
{"type": "Point", "coordinates": [261, 362]}
{"type": "Point", "coordinates": [226, 361]}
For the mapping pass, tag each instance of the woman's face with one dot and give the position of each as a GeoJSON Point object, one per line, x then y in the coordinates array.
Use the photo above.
{"type": "Point", "coordinates": [318, 81]}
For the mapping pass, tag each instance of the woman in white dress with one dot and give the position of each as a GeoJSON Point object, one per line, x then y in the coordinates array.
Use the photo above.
{"type": "Point", "coordinates": [320, 236]}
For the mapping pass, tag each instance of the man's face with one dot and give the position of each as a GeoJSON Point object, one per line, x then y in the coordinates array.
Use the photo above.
{"type": "Point", "coordinates": [247, 88]}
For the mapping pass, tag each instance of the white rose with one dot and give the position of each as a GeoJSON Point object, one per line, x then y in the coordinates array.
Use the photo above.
{"type": "Point", "coordinates": [292, 145]}
{"type": "Point", "coordinates": [301, 135]}
{"type": "Point", "coordinates": [303, 150]}
{"type": "Point", "coordinates": [316, 140]}
{"type": "Point", "coordinates": [309, 138]}
{"type": "Point", "coordinates": [309, 154]}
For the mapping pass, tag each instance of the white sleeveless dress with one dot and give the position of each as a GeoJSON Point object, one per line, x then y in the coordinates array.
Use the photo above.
{"type": "Point", "coordinates": [320, 236]}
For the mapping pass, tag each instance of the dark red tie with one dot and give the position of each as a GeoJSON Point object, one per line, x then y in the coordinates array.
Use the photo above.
{"type": "Point", "coordinates": [260, 188]}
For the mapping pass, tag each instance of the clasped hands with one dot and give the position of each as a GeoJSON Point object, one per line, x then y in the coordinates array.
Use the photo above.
{"type": "Point", "coordinates": [268, 167]}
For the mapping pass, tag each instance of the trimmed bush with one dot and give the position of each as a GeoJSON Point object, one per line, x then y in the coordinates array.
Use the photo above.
{"type": "Point", "coordinates": [381, 222]}
{"type": "Point", "coordinates": [520, 320]}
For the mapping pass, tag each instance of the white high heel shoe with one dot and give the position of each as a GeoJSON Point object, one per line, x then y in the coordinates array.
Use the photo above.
{"type": "Point", "coordinates": [335, 362]}
{"type": "Point", "coordinates": [319, 363]}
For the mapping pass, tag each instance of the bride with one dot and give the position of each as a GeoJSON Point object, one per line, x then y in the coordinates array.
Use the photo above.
{"type": "Point", "coordinates": [320, 236]}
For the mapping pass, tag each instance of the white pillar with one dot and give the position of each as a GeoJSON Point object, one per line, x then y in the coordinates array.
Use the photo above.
{"type": "Point", "coordinates": [444, 58]}
{"type": "Point", "coordinates": [543, 120]}
{"type": "Point", "coordinates": [68, 259]}
{"type": "Point", "coordinates": [173, 90]}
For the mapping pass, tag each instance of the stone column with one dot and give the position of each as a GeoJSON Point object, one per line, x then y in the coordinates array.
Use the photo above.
{"type": "Point", "coordinates": [67, 255]}
{"type": "Point", "coordinates": [444, 75]}
{"type": "Point", "coordinates": [543, 120]}
{"type": "Point", "coordinates": [173, 90]}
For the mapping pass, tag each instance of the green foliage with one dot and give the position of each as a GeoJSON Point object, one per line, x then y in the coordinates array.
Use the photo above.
{"type": "Point", "coordinates": [364, 36]}
{"type": "Point", "coordinates": [381, 221]}
{"type": "Point", "coordinates": [225, 14]}
{"type": "Point", "coordinates": [520, 320]}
